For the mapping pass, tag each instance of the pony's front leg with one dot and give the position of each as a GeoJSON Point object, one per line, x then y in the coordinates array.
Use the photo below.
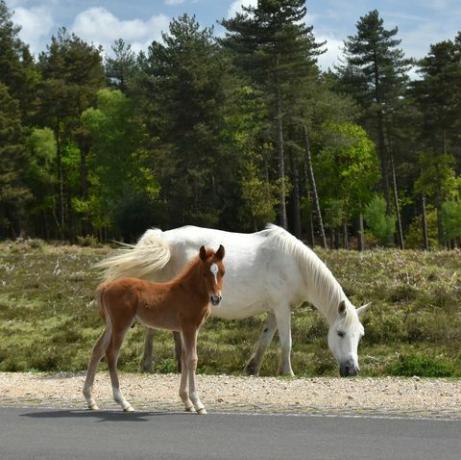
{"type": "Point", "coordinates": [283, 318]}
{"type": "Point", "coordinates": [253, 365]}
{"type": "Point", "coordinates": [147, 360]}
{"type": "Point", "coordinates": [183, 390]}
{"type": "Point", "coordinates": [190, 341]}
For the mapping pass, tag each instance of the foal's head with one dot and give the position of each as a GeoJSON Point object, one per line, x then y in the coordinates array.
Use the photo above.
{"type": "Point", "coordinates": [213, 272]}
{"type": "Point", "coordinates": [344, 337]}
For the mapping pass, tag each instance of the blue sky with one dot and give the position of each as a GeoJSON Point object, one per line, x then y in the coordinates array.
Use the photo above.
{"type": "Point", "coordinates": [420, 22]}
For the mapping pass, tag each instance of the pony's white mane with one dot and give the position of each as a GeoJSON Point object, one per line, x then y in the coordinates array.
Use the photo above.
{"type": "Point", "coordinates": [136, 260]}
{"type": "Point", "coordinates": [323, 290]}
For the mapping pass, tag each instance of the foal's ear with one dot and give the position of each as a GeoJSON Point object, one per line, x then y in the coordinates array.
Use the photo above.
{"type": "Point", "coordinates": [342, 308]}
{"type": "Point", "coordinates": [203, 253]}
{"type": "Point", "coordinates": [220, 252]}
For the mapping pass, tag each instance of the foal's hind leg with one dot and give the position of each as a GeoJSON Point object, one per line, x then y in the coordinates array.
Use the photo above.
{"type": "Point", "coordinates": [98, 352]}
{"type": "Point", "coordinates": [112, 358]}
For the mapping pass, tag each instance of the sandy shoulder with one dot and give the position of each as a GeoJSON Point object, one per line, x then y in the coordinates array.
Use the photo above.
{"type": "Point", "coordinates": [412, 396]}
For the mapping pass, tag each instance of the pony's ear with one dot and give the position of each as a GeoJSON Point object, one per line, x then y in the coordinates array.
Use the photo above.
{"type": "Point", "coordinates": [361, 310]}
{"type": "Point", "coordinates": [203, 253]}
{"type": "Point", "coordinates": [220, 252]}
{"type": "Point", "coordinates": [342, 308]}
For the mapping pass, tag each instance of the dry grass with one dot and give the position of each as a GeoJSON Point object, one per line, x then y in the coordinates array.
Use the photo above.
{"type": "Point", "coordinates": [414, 327]}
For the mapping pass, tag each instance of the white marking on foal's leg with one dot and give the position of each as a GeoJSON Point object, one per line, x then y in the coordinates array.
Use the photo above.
{"type": "Point", "coordinates": [88, 393]}
{"type": "Point", "coordinates": [199, 407]}
{"type": "Point", "coordinates": [118, 396]}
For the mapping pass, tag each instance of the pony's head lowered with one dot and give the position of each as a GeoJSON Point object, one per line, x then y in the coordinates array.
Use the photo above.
{"type": "Point", "coordinates": [344, 337]}
{"type": "Point", "coordinates": [213, 272]}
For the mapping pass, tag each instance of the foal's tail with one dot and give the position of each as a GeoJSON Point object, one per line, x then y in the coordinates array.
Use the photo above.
{"type": "Point", "coordinates": [149, 255]}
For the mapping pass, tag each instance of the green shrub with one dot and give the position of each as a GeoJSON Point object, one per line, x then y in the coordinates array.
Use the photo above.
{"type": "Point", "coordinates": [381, 225]}
{"type": "Point", "coordinates": [422, 366]}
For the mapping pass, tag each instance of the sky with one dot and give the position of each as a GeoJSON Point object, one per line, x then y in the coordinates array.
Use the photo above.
{"type": "Point", "coordinates": [420, 22]}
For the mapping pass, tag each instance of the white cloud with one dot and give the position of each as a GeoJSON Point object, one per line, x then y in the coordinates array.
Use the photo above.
{"type": "Point", "coordinates": [334, 51]}
{"type": "Point", "coordinates": [174, 2]}
{"type": "Point", "coordinates": [36, 24]}
{"type": "Point", "coordinates": [100, 26]}
{"type": "Point", "coordinates": [236, 6]}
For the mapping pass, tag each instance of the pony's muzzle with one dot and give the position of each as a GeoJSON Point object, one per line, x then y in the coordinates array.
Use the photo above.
{"type": "Point", "coordinates": [348, 369]}
{"type": "Point", "coordinates": [215, 299]}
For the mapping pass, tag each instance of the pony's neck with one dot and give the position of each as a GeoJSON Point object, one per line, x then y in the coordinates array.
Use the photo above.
{"type": "Point", "coordinates": [322, 288]}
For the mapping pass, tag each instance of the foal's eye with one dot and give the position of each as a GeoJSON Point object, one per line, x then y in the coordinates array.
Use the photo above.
{"type": "Point", "coordinates": [341, 334]}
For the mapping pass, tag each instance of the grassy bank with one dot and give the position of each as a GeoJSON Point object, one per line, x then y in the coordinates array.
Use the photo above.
{"type": "Point", "coordinates": [414, 327]}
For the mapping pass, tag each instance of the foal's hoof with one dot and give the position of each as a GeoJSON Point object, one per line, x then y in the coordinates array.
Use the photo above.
{"type": "Point", "coordinates": [128, 409]}
{"type": "Point", "coordinates": [93, 407]}
{"type": "Point", "coordinates": [202, 411]}
{"type": "Point", "coordinates": [189, 409]}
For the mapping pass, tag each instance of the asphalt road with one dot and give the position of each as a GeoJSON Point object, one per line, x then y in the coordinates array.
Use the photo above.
{"type": "Point", "coordinates": [68, 434]}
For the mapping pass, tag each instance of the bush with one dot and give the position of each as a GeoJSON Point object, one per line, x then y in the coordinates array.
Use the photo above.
{"type": "Point", "coordinates": [381, 225]}
{"type": "Point", "coordinates": [423, 366]}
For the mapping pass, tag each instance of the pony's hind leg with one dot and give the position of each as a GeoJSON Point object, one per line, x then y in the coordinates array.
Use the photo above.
{"type": "Point", "coordinates": [183, 389]}
{"type": "Point", "coordinates": [112, 358]}
{"type": "Point", "coordinates": [98, 352]}
{"type": "Point", "coordinates": [283, 318]}
{"type": "Point", "coordinates": [253, 365]}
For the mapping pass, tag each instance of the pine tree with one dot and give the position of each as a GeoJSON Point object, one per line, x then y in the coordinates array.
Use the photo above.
{"type": "Point", "coordinates": [273, 45]}
{"type": "Point", "coordinates": [13, 191]}
{"type": "Point", "coordinates": [121, 68]}
{"type": "Point", "coordinates": [375, 73]}
{"type": "Point", "coordinates": [72, 74]}
{"type": "Point", "coordinates": [17, 68]}
{"type": "Point", "coordinates": [438, 97]}
{"type": "Point", "coordinates": [184, 87]}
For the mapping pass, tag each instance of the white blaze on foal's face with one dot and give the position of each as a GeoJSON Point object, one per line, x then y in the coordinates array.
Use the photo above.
{"type": "Point", "coordinates": [214, 270]}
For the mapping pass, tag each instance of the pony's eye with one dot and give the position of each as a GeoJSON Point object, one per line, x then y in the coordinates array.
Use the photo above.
{"type": "Point", "coordinates": [341, 334]}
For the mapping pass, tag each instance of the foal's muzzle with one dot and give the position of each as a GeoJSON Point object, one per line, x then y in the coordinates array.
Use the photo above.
{"type": "Point", "coordinates": [215, 299]}
{"type": "Point", "coordinates": [348, 369]}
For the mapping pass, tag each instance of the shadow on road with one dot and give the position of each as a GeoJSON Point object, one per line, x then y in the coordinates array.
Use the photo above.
{"type": "Point", "coordinates": [101, 415]}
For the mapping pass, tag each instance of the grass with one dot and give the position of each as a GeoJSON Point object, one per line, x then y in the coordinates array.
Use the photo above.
{"type": "Point", "coordinates": [414, 327]}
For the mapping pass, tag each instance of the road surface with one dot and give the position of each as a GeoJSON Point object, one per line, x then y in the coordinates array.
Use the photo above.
{"type": "Point", "coordinates": [27, 433]}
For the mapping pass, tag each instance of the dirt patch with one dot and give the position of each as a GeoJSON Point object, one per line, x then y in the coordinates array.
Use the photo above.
{"type": "Point", "coordinates": [390, 396]}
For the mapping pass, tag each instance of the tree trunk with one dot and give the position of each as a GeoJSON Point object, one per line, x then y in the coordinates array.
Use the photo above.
{"type": "Point", "coordinates": [281, 156]}
{"type": "Point", "coordinates": [383, 155]}
{"type": "Point", "coordinates": [315, 196]}
{"type": "Point", "coordinates": [361, 233]}
{"type": "Point", "coordinates": [60, 182]}
{"type": "Point", "coordinates": [425, 231]}
{"type": "Point", "coordinates": [397, 208]}
{"type": "Point", "coordinates": [295, 198]}
{"type": "Point", "coordinates": [345, 236]}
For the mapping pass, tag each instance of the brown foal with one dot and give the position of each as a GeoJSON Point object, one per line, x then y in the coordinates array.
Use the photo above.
{"type": "Point", "coordinates": [181, 305]}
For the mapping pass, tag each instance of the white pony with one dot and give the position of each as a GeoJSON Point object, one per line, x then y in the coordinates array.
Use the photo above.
{"type": "Point", "coordinates": [268, 271]}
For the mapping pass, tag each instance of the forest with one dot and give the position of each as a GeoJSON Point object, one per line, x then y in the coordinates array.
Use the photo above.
{"type": "Point", "coordinates": [232, 131]}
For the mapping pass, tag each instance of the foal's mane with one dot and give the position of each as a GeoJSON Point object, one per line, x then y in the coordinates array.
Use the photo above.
{"type": "Point", "coordinates": [323, 290]}
{"type": "Point", "coordinates": [190, 267]}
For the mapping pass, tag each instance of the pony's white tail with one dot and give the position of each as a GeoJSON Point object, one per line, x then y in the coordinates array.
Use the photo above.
{"type": "Point", "coordinates": [150, 254]}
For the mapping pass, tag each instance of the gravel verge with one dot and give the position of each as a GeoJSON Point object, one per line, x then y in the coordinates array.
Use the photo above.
{"type": "Point", "coordinates": [417, 397]}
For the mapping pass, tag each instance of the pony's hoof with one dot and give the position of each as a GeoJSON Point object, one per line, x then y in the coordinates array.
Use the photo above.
{"type": "Point", "coordinates": [128, 409]}
{"type": "Point", "coordinates": [189, 409]}
{"type": "Point", "coordinates": [202, 411]}
{"type": "Point", "coordinates": [93, 407]}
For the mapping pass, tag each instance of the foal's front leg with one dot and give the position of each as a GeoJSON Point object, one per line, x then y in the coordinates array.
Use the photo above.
{"type": "Point", "coordinates": [112, 358]}
{"type": "Point", "coordinates": [190, 344]}
{"type": "Point", "coordinates": [183, 390]}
